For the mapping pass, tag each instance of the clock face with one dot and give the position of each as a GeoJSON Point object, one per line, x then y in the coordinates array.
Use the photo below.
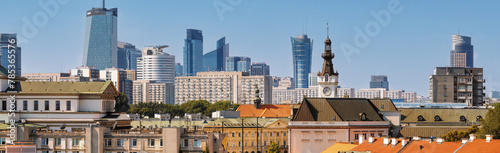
{"type": "Point", "coordinates": [327, 91]}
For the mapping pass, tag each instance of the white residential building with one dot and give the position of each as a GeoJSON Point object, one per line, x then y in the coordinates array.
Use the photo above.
{"type": "Point", "coordinates": [371, 93]}
{"type": "Point", "coordinates": [410, 97]}
{"type": "Point", "coordinates": [151, 91]}
{"type": "Point", "coordinates": [156, 65]}
{"type": "Point", "coordinates": [342, 92]}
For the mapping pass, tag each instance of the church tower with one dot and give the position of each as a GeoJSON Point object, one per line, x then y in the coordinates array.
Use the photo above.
{"type": "Point", "coordinates": [327, 77]}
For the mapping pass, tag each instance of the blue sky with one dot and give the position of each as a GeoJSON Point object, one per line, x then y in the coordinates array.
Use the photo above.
{"type": "Point", "coordinates": [407, 49]}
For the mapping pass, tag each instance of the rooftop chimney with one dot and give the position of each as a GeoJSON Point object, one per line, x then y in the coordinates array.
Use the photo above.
{"type": "Point", "coordinates": [489, 137]}
{"type": "Point", "coordinates": [416, 138]}
{"type": "Point", "coordinates": [439, 140]}
{"type": "Point", "coordinates": [370, 140]}
{"type": "Point", "coordinates": [472, 137]}
{"type": "Point", "coordinates": [403, 142]}
{"type": "Point", "coordinates": [361, 139]}
{"type": "Point", "coordinates": [464, 140]}
{"type": "Point", "coordinates": [394, 142]}
{"type": "Point", "coordinates": [386, 141]}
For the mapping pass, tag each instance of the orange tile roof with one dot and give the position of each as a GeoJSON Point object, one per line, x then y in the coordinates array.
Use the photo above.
{"type": "Point", "coordinates": [445, 147]}
{"type": "Point", "coordinates": [378, 146]}
{"type": "Point", "coordinates": [268, 111]}
{"type": "Point", "coordinates": [480, 145]}
{"type": "Point", "coordinates": [339, 146]}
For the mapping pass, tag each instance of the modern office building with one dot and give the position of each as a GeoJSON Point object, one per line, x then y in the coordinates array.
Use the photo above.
{"type": "Point", "coordinates": [313, 79]}
{"type": "Point", "coordinates": [284, 95]}
{"type": "Point", "coordinates": [495, 94]}
{"type": "Point", "coordinates": [10, 51]}
{"type": "Point", "coordinates": [457, 85]}
{"type": "Point", "coordinates": [259, 69]}
{"type": "Point", "coordinates": [156, 65]}
{"type": "Point", "coordinates": [216, 59]}
{"type": "Point", "coordinates": [237, 87]}
{"type": "Point", "coordinates": [462, 53]}
{"type": "Point", "coordinates": [379, 81]}
{"type": "Point", "coordinates": [85, 71]}
{"type": "Point", "coordinates": [127, 56]}
{"type": "Point", "coordinates": [302, 59]}
{"type": "Point", "coordinates": [100, 43]}
{"type": "Point", "coordinates": [179, 69]}
{"type": "Point", "coordinates": [193, 52]}
{"type": "Point", "coordinates": [238, 63]}
{"type": "Point", "coordinates": [151, 91]}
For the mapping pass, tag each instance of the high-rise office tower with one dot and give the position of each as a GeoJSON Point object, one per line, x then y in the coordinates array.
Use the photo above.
{"type": "Point", "coordinates": [379, 81]}
{"type": "Point", "coordinates": [127, 56]}
{"type": "Point", "coordinates": [100, 44]}
{"type": "Point", "coordinates": [462, 53]}
{"type": "Point", "coordinates": [302, 57]}
{"type": "Point", "coordinates": [156, 65]}
{"type": "Point", "coordinates": [215, 60]}
{"type": "Point", "coordinates": [10, 52]}
{"type": "Point", "coordinates": [193, 52]}
{"type": "Point", "coordinates": [178, 69]}
{"type": "Point", "coordinates": [259, 69]}
{"type": "Point", "coordinates": [238, 63]}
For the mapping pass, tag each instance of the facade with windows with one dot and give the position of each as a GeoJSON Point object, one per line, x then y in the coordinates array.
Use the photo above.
{"type": "Point", "coordinates": [216, 59]}
{"type": "Point", "coordinates": [100, 43]}
{"type": "Point", "coordinates": [462, 53]}
{"type": "Point", "coordinates": [457, 85]}
{"type": "Point", "coordinates": [259, 69]}
{"type": "Point", "coordinates": [156, 65]}
{"type": "Point", "coordinates": [302, 60]}
{"type": "Point", "coordinates": [9, 51]}
{"type": "Point", "coordinates": [193, 52]}
{"type": "Point", "coordinates": [238, 63]}
{"type": "Point", "coordinates": [379, 81]}
{"type": "Point", "coordinates": [151, 91]}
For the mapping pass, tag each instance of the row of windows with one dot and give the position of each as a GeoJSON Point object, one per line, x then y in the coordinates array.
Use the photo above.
{"type": "Point", "coordinates": [254, 143]}
{"type": "Point", "coordinates": [57, 141]}
{"type": "Point", "coordinates": [133, 142]}
{"type": "Point", "coordinates": [36, 105]}
{"type": "Point", "coordinates": [265, 134]}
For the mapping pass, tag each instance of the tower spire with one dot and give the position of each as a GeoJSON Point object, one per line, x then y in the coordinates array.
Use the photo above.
{"type": "Point", "coordinates": [103, 4]}
{"type": "Point", "coordinates": [327, 30]}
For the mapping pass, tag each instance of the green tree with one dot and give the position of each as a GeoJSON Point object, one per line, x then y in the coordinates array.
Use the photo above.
{"type": "Point", "coordinates": [273, 148]}
{"type": "Point", "coordinates": [491, 123]}
{"type": "Point", "coordinates": [455, 135]}
{"type": "Point", "coordinates": [121, 104]}
{"type": "Point", "coordinates": [197, 106]}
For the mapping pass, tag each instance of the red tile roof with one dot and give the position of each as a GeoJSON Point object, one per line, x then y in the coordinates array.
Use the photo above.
{"type": "Point", "coordinates": [268, 111]}
{"type": "Point", "coordinates": [378, 146]}
{"type": "Point", "coordinates": [480, 145]}
{"type": "Point", "coordinates": [445, 147]}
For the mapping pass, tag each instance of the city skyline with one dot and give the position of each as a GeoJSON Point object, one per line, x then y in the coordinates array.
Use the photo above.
{"type": "Point", "coordinates": [407, 55]}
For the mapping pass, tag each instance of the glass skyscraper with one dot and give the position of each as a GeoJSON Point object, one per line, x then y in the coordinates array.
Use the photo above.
{"type": "Point", "coordinates": [178, 69]}
{"type": "Point", "coordinates": [127, 56]}
{"type": "Point", "coordinates": [215, 60]}
{"type": "Point", "coordinates": [193, 52]}
{"type": "Point", "coordinates": [100, 44]}
{"type": "Point", "coordinates": [238, 63]}
{"type": "Point", "coordinates": [302, 57]}
{"type": "Point", "coordinates": [462, 53]}
{"type": "Point", "coordinates": [379, 81]}
{"type": "Point", "coordinates": [5, 40]}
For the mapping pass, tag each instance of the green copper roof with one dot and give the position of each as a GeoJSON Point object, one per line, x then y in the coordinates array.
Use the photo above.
{"type": "Point", "coordinates": [65, 87]}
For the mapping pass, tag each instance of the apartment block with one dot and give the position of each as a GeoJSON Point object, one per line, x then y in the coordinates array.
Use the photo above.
{"type": "Point", "coordinates": [457, 85]}
{"type": "Point", "coordinates": [151, 91]}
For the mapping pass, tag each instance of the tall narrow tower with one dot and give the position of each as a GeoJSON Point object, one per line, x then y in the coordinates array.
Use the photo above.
{"type": "Point", "coordinates": [327, 78]}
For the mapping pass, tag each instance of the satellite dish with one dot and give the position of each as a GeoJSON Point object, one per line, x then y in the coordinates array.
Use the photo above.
{"type": "Point", "coordinates": [63, 126]}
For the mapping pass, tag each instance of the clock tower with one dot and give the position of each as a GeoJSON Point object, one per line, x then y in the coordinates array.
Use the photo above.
{"type": "Point", "coordinates": [327, 78]}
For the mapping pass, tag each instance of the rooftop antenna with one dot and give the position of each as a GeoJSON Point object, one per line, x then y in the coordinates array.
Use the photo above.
{"type": "Point", "coordinates": [327, 30]}
{"type": "Point", "coordinates": [103, 4]}
{"type": "Point", "coordinates": [306, 27]}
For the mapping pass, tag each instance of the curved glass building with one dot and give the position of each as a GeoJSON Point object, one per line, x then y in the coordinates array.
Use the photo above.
{"type": "Point", "coordinates": [462, 53]}
{"type": "Point", "coordinates": [302, 60]}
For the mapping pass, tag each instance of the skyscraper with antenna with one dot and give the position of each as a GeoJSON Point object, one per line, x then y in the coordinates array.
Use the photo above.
{"type": "Point", "coordinates": [100, 43]}
{"type": "Point", "coordinates": [302, 60]}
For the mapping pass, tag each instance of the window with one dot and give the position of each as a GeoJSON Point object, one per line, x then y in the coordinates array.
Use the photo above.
{"type": "Point", "coordinates": [364, 136]}
{"type": "Point", "coordinates": [232, 134]}
{"type": "Point", "coordinates": [133, 142]}
{"type": "Point", "coordinates": [331, 135]}
{"type": "Point", "coordinates": [76, 142]}
{"type": "Point", "coordinates": [284, 134]}
{"type": "Point", "coordinates": [278, 134]}
{"type": "Point", "coordinates": [151, 142]}
{"type": "Point", "coordinates": [186, 142]}
{"type": "Point", "coordinates": [25, 105]}
{"type": "Point", "coordinates": [239, 134]}
{"type": "Point", "coordinates": [382, 106]}
{"type": "Point", "coordinates": [57, 141]}
{"type": "Point", "coordinates": [265, 143]}
{"type": "Point", "coordinates": [278, 143]}
{"type": "Point", "coordinates": [252, 134]}
{"type": "Point", "coordinates": [271, 134]}
{"type": "Point", "coordinates": [356, 136]}
{"type": "Point", "coordinates": [284, 142]}
{"type": "Point", "coordinates": [305, 135]}
{"type": "Point", "coordinates": [444, 79]}
{"type": "Point", "coordinates": [68, 105]}
{"type": "Point", "coordinates": [107, 142]}
{"type": "Point", "coordinates": [46, 105]}
{"type": "Point", "coordinates": [252, 143]}
{"type": "Point", "coordinates": [58, 105]}
{"type": "Point", "coordinates": [45, 141]}
{"type": "Point", "coordinates": [35, 105]}
{"type": "Point", "coordinates": [2, 141]}
{"type": "Point", "coordinates": [161, 142]}
{"type": "Point", "coordinates": [197, 143]}
{"type": "Point", "coordinates": [239, 143]}
{"type": "Point", "coordinates": [4, 105]}
{"type": "Point", "coordinates": [372, 134]}
{"type": "Point", "coordinates": [119, 142]}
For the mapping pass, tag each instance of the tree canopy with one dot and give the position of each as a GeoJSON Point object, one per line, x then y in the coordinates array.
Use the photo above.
{"type": "Point", "coordinates": [455, 135]}
{"type": "Point", "coordinates": [121, 104]}
{"type": "Point", "coordinates": [196, 106]}
{"type": "Point", "coordinates": [491, 123]}
{"type": "Point", "coordinates": [273, 148]}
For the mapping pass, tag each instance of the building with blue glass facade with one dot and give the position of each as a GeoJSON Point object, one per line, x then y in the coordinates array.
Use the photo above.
{"type": "Point", "coordinates": [238, 63]}
{"type": "Point", "coordinates": [379, 81]}
{"type": "Point", "coordinates": [302, 59]}
{"type": "Point", "coordinates": [462, 53]}
{"type": "Point", "coordinates": [100, 44]}
{"type": "Point", "coordinates": [215, 60]}
{"type": "Point", "coordinates": [127, 56]}
{"type": "Point", "coordinates": [10, 52]}
{"type": "Point", "coordinates": [178, 69]}
{"type": "Point", "coordinates": [193, 52]}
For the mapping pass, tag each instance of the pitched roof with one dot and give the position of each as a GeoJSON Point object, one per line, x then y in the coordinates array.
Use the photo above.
{"type": "Point", "coordinates": [480, 145]}
{"type": "Point", "coordinates": [447, 115]}
{"type": "Point", "coordinates": [268, 111]}
{"type": "Point", "coordinates": [445, 147]}
{"type": "Point", "coordinates": [343, 109]}
{"type": "Point", "coordinates": [378, 146]}
{"type": "Point", "coordinates": [66, 87]}
{"type": "Point", "coordinates": [384, 104]}
{"type": "Point", "coordinates": [338, 146]}
{"type": "Point", "coordinates": [428, 131]}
